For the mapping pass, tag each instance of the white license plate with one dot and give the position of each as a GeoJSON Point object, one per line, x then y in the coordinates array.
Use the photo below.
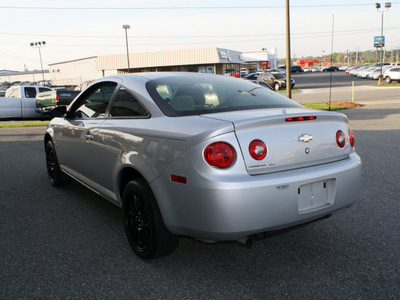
{"type": "Point", "coordinates": [316, 195]}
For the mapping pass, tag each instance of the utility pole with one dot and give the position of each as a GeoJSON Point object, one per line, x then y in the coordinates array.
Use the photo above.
{"type": "Point", "coordinates": [288, 56]}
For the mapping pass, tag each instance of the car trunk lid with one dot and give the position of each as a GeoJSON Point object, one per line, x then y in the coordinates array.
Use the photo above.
{"type": "Point", "coordinates": [295, 138]}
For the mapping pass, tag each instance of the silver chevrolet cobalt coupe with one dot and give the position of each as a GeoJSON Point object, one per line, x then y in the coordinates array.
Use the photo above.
{"type": "Point", "coordinates": [206, 156]}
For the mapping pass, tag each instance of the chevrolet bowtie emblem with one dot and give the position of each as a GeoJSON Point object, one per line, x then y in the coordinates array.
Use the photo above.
{"type": "Point", "coordinates": [305, 138]}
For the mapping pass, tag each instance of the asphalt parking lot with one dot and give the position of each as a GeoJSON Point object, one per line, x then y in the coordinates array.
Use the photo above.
{"type": "Point", "coordinates": [59, 243]}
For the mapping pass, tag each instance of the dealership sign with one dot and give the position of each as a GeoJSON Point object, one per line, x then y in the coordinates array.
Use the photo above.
{"type": "Point", "coordinates": [379, 41]}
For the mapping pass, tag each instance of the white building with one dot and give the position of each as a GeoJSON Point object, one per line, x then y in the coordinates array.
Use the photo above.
{"type": "Point", "coordinates": [208, 60]}
{"type": "Point", "coordinates": [262, 59]}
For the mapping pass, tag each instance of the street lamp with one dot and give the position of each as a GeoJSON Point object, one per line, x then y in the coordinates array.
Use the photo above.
{"type": "Point", "coordinates": [126, 27]}
{"type": "Point", "coordinates": [39, 45]}
{"type": "Point", "coordinates": [378, 6]}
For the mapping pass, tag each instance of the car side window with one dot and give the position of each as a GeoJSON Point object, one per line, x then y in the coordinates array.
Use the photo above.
{"type": "Point", "coordinates": [41, 89]}
{"type": "Point", "coordinates": [30, 92]}
{"type": "Point", "coordinates": [126, 105]}
{"type": "Point", "coordinates": [94, 102]}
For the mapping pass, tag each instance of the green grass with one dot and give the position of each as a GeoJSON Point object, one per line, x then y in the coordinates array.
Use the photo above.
{"type": "Point", "coordinates": [24, 124]}
{"type": "Point", "coordinates": [293, 91]}
{"type": "Point", "coordinates": [323, 106]}
{"type": "Point", "coordinates": [387, 85]}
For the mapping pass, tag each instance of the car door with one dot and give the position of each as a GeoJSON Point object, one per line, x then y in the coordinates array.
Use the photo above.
{"type": "Point", "coordinates": [77, 140]}
{"type": "Point", "coordinates": [11, 104]}
{"type": "Point", "coordinates": [270, 79]}
{"type": "Point", "coordinates": [119, 134]}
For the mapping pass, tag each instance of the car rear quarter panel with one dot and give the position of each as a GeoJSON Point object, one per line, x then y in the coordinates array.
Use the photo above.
{"type": "Point", "coordinates": [150, 146]}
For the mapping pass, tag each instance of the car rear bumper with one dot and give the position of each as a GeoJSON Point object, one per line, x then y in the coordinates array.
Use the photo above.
{"type": "Point", "coordinates": [44, 109]}
{"type": "Point", "coordinates": [248, 205]}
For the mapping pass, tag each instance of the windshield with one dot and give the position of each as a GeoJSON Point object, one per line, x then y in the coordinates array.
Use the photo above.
{"type": "Point", "coordinates": [203, 94]}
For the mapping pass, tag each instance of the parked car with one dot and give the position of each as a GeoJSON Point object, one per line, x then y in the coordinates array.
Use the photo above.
{"type": "Point", "coordinates": [296, 69]}
{"type": "Point", "coordinates": [369, 73]}
{"type": "Point", "coordinates": [293, 69]}
{"type": "Point", "coordinates": [330, 69]}
{"type": "Point", "coordinates": [283, 71]}
{"type": "Point", "coordinates": [252, 76]}
{"type": "Point", "coordinates": [275, 79]}
{"type": "Point", "coordinates": [357, 70]}
{"type": "Point", "coordinates": [202, 155]}
{"type": "Point", "coordinates": [392, 74]}
{"type": "Point", "coordinates": [375, 75]}
{"type": "Point", "coordinates": [244, 72]}
{"type": "Point", "coordinates": [377, 72]}
{"type": "Point", "coordinates": [47, 101]}
{"type": "Point", "coordinates": [262, 83]}
{"type": "Point", "coordinates": [19, 102]}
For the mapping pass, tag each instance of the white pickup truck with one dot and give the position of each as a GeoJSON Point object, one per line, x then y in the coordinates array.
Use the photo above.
{"type": "Point", "coordinates": [19, 102]}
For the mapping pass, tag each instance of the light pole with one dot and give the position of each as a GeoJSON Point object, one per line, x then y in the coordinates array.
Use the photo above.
{"type": "Point", "coordinates": [39, 45]}
{"type": "Point", "coordinates": [378, 6]}
{"type": "Point", "coordinates": [126, 27]}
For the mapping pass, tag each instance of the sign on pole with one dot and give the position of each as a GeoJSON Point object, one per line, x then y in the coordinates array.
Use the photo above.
{"type": "Point", "coordinates": [379, 41]}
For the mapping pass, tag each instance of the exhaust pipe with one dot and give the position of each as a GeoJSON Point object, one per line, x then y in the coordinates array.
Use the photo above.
{"type": "Point", "coordinates": [247, 242]}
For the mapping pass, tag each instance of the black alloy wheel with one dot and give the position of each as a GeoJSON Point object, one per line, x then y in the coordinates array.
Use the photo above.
{"type": "Point", "coordinates": [56, 176]}
{"type": "Point", "coordinates": [143, 224]}
{"type": "Point", "coordinates": [140, 223]}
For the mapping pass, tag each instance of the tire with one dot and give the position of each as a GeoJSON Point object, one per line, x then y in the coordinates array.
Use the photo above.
{"type": "Point", "coordinates": [56, 176]}
{"type": "Point", "coordinates": [388, 79]}
{"type": "Point", "coordinates": [143, 224]}
{"type": "Point", "coordinates": [276, 86]}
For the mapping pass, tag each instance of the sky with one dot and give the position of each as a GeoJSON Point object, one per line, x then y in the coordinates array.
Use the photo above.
{"type": "Point", "coordinates": [77, 29]}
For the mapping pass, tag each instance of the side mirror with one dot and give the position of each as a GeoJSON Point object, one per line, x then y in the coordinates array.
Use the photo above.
{"type": "Point", "coordinates": [58, 112]}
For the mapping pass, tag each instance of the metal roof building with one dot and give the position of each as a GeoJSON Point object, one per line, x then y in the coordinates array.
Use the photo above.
{"type": "Point", "coordinates": [207, 60]}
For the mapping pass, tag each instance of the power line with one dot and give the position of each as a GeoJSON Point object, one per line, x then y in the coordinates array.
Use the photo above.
{"type": "Point", "coordinates": [307, 36]}
{"type": "Point", "coordinates": [192, 37]}
{"type": "Point", "coordinates": [186, 7]}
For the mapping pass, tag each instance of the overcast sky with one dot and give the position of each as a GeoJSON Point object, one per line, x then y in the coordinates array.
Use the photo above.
{"type": "Point", "coordinates": [76, 29]}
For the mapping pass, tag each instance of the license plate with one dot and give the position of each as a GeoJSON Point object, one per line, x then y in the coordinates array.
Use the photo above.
{"type": "Point", "coordinates": [316, 195]}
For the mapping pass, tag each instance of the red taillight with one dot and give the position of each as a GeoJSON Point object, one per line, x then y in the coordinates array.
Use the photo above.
{"type": "Point", "coordinates": [351, 137]}
{"type": "Point", "coordinates": [57, 99]}
{"type": "Point", "coordinates": [220, 155]}
{"type": "Point", "coordinates": [296, 119]}
{"type": "Point", "coordinates": [340, 139]}
{"type": "Point", "coordinates": [257, 149]}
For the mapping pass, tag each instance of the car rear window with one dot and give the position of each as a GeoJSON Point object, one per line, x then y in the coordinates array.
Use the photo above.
{"type": "Point", "coordinates": [203, 94]}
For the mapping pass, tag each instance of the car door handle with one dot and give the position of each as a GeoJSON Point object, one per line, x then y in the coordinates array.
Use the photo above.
{"type": "Point", "coordinates": [89, 137]}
